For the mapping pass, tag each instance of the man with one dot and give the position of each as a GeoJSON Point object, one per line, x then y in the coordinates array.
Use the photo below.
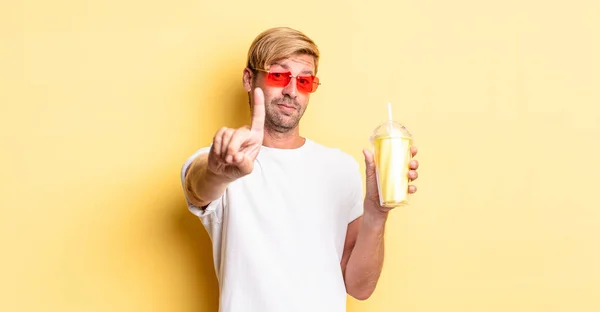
{"type": "Point", "coordinates": [290, 228]}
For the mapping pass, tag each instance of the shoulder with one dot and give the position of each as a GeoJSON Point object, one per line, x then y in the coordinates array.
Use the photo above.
{"type": "Point", "coordinates": [333, 155]}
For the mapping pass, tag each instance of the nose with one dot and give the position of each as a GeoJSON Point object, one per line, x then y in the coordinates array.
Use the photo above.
{"type": "Point", "coordinates": [291, 89]}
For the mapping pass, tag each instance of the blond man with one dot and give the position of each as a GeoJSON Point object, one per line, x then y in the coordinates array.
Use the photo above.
{"type": "Point", "coordinates": [290, 227]}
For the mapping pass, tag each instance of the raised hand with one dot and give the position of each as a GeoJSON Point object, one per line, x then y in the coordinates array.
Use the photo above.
{"type": "Point", "coordinates": [234, 150]}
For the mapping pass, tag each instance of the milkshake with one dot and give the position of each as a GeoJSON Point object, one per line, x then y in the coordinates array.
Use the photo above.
{"type": "Point", "coordinates": [391, 147]}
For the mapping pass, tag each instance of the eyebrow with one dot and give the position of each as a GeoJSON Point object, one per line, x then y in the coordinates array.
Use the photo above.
{"type": "Point", "coordinates": [307, 72]}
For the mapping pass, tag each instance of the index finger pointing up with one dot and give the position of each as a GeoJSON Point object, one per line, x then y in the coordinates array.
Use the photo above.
{"type": "Point", "coordinates": [258, 111]}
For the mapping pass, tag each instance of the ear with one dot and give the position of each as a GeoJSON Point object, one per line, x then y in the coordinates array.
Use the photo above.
{"type": "Point", "coordinates": [247, 79]}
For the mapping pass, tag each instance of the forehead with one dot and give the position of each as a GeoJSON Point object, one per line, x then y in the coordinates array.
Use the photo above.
{"type": "Point", "coordinates": [303, 63]}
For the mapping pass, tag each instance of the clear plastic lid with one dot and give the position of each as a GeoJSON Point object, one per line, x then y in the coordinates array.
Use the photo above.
{"type": "Point", "coordinates": [392, 129]}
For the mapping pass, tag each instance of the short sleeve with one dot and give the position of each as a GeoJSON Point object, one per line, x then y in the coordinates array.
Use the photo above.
{"type": "Point", "coordinates": [213, 212]}
{"type": "Point", "coordinates": [356, 192]}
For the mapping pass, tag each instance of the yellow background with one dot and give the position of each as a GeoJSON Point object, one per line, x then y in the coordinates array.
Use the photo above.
{"type": "Point", "coordinates": [102, 101]}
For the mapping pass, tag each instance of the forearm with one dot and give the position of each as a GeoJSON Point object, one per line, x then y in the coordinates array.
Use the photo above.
{"type": "Point", "coordinates": [366, 260]}
{"type": "Point", "coordinates": [201, 186]}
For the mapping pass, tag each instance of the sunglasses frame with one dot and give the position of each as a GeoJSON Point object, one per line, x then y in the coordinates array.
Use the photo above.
{"type": "Point", "coordinates": [296, 77]}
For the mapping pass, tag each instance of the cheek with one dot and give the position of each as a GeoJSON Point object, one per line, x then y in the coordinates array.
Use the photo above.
{"type": "Point", "coordinates": [271, 93]}
{"type": "Point", "coordinates": [303, 99]}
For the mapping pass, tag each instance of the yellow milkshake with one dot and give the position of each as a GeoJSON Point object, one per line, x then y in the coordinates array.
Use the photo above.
{"type": "Point", "coordinates": [391, 145]}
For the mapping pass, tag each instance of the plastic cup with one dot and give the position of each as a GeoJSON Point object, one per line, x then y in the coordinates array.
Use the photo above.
{"type": "Point", "coordinates": [391, 148]}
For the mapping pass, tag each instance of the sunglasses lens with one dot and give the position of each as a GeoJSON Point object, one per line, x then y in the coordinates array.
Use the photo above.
{"type": "Point", "coordinates": [306, 84]}
{"type": "Point", "coordinates": [278, 79]}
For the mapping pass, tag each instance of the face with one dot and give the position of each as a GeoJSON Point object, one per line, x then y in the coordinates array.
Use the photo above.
{"type": "Point", "coordinates": [284, 105]}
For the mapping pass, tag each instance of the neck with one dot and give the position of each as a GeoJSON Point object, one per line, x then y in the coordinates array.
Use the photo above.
{"type": "Point", "coordinates": [287, 140]}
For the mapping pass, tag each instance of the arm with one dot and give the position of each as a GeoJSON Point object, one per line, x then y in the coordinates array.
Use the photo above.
{"type": "Point", "coordinates": [363, 255]}
{"type": "Point", "coordinates": [201, 185]}
{"type": "Point", "coordinates": [231, 157]}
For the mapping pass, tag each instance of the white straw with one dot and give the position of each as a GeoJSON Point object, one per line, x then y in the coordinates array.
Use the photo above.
{"type": "Point", "coordinates": [389, 125]}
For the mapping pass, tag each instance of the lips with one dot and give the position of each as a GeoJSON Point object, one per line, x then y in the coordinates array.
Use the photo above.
{"type": "Point", "coordinates": [286, 106]}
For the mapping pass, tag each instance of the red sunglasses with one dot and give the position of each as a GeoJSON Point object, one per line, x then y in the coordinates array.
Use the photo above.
{"type": "Point", "coordinates": [304, 83]}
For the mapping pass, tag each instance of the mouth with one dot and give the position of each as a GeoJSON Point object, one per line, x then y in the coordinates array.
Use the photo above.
{"type": "Point", "coordinates": [287, 107]}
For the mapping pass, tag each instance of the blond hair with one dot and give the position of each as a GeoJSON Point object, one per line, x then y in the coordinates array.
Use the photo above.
{"type": "Point", "coordinates": [278, 43]}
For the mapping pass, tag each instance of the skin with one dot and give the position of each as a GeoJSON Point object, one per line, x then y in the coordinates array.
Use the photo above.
{"type": "Point", "coordinates": [276, 112]}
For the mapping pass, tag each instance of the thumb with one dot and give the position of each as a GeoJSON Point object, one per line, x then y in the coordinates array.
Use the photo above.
{"type": "Point", "coordinates": [371, 175]}
{"type": "Point", "coordinates": [245, 165]}
{"type": "Point", "coordinates": [372, 192]}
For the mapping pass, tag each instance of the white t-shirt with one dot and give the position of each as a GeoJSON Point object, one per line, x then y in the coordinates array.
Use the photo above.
{"type": "Point", "coordinates": [278, 233]}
